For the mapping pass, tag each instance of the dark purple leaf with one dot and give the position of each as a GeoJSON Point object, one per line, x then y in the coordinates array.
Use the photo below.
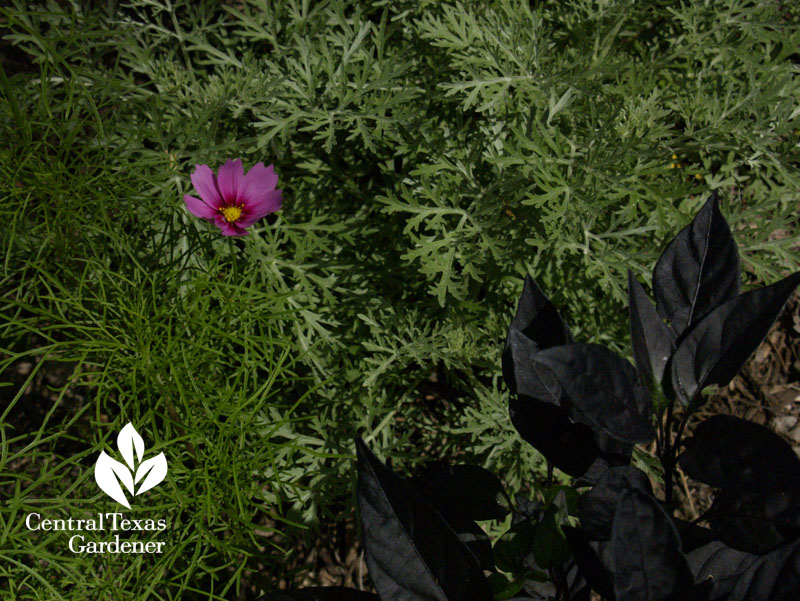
{"type": "Point", "coordinates": [603, 389]}
{"type": "Point", "coordinates": [597, 507]}
{"type": "Point", "coordinates": [463, 494]}
{"type": "Point", "coordinates": [721, 564]}
{"type": "Point", "coordinates": [526, 509]}
{"type": "Point", "coordinates": [646, 550]}
{"type": "Point", "coordinates": [411, 551]}
{"type": "Point", "coordinates": [322, 593]}
{"type": "Point", "coordinates": [468, 490]}
{"type": "Point", "coordinates": [773, 577]}
{"type": "Point", "coordinates": [536, 325]}
{"type": "Point", "coordinates": [736, 454]}
{"type": "Point", "coordinates": [595, 472]}
{"type": "Point", "coordinates": [524, 375]}
{"type": "Point", "coordinates": [588, 555]}
{"type": "Point", "coordinates": [756, 521]}
{"type": "Point", "coordinates": [692, 535]}
{"type": "Point", "coordinates": [567, 445]}
{"type": "Point", "coordinates": [570, 446]}
{"type": "Point", "coordinates": [719, 344]}
{"type": "Point", "coordinates": [698, 270]}
{"type": "Point", "coordinates": [612, 450]}
{"type": "Point", "coordinates": [538, 319]}
{"type": "Point", "coordinates": [653, 342]}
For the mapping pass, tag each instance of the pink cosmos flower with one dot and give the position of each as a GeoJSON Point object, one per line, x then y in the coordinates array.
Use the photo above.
{"type": "Point", "coordinates": [232, 200]}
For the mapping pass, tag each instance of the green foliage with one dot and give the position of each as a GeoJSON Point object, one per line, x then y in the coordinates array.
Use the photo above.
{"type": "Point", "coordinates": [431, 154]}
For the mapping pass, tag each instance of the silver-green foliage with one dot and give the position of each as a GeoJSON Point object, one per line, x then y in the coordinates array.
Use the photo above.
{"type": "Point", "coordinates": [431, 154]}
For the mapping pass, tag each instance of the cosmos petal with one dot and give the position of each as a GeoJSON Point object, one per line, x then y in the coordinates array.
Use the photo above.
{"type": "Point", "coordinates": [230, 180]}
{"type": "Point", "coordinates": [198, 208]}
{"type": "Point", "coordinates": [205, 183]}
{"type": "Point", "coordinates": [254, 212]}
{"type": "Point", "coordinates": [258, 182]}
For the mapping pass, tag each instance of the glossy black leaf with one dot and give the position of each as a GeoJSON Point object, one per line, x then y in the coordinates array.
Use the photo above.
{"type": "Point", "coordinates": [653, 342]}
{"type": "Point", "coordinates": [538, 319]}
{"type": "Point", "coordinates": [526, 509]}
{"type": "Point", "coordinates": [719, 344]}
{"type": "Point", "coordinates": [698, 270]}
{"type": "Point", "coordinates": [536, 325]}
{"type": "Point", "coordinates": [773, 577]}
{"type": "Point", "coordinates": [736, 454]}
{"type": "Point", "coordinates": [597, 507]}
{"type": "Point", "coordinates": [468, 490]}
{"type": "Point", "coordinates": [594, 473]}
{"type": "Point", "coordinates": [612, 450]}
{"type": "Point", "coordinates": [463, 494]}
{"type": "Point", "coordinates": [524, 375]}
{"type": "Point", "coordinates": [692, 535]}
{"type": "Point", "coordinates": [721, 564]}
{"type": "Point", "coordinates": [411, 551]}
{"type": "Point", "coordinates": [589, 557]}
{"type": "Point", "coordinates": [756, 521]}
{"type": "Point", "coordinates": [322, 593]}
{"type": "Point", "coordinates": [475, 539]}
{"type": "Point", "coordinates": [566, 444]}
{"type": "Point", "coordinates": [603, 389]}
{"type": "Point", "coordinates": [646, 550]}
{"type": "Point", "coordinates": [570, 446]}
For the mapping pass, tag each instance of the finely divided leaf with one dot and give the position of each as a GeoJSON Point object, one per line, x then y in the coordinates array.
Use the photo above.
{"type": "Point", "coordinates": [719, 344]}
{"type": "Point", "coordinates": [603, 389]}
{"type": "Point", "coordinates": [411, 551]}
{"type": "Point", "coordinates": [698, 270]}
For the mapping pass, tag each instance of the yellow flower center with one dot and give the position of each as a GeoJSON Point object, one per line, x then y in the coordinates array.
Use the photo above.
{"type": "Point", "coordinates": [231, 214]}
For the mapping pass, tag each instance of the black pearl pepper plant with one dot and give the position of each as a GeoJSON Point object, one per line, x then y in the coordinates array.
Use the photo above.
{"type": "Point", "coordinates": [584, 408]}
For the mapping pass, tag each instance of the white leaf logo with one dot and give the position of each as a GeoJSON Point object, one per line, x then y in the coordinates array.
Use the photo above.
{"type": "Point", "coordinates": [106, 472]}
{"type": "Point", "coordinates": [129, 440]}
{"type": "Point", "coordinates": [109, 472]}
{"type": "Point", "coordinates": [155, 469]}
